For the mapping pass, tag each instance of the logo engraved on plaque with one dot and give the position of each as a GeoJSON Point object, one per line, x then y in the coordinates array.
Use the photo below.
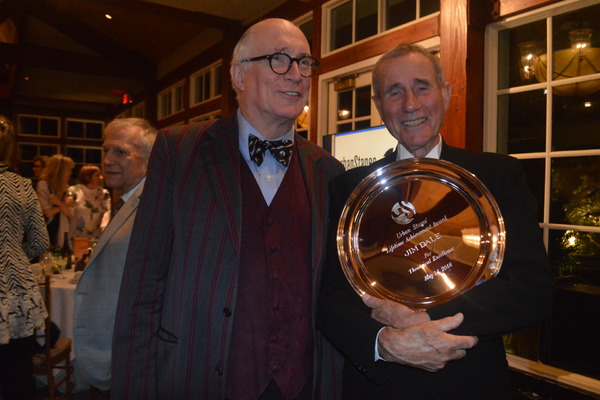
{"type": "Point", "coordinates": [403, 214]}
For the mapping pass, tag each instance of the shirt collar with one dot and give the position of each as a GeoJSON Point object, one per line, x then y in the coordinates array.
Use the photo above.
{"type": "Point", "coordinates": [245, 129]}
{"type": "Point", "coordinates": [126, 196]}
{"type": "Point", "coordinates": [404, 154]}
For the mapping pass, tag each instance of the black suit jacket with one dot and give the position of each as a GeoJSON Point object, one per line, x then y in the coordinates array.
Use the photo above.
{"type": "Point", "coordinates": [518, 297]}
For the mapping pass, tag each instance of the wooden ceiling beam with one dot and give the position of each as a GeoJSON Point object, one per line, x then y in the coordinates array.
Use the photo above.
{"type": "Point", "coordinates": [83, 34]}
{"type": "Point", "coordinates": [42, 57]}
{"type": "Point", "coordinates": [194, 17]}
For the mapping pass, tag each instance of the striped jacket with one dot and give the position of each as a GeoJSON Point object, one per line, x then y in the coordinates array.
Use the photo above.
{"type": "Point", "coordinates": [178, 296]}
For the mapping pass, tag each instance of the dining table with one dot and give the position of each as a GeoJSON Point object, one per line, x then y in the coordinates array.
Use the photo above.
{"type": "Point", "coordinates": [63, 301]}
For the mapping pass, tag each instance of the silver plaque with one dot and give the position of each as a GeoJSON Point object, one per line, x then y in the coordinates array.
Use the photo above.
{"type": "Point", "coordinates": [420, 232]}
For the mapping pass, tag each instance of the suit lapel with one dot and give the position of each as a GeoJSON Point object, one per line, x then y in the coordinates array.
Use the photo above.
{"type": "Point", "coordinates": [117, 222]}
{"type": "Point", "coordinates": [220, 152]}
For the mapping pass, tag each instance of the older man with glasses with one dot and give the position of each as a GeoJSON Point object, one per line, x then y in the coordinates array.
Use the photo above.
{"type": "Point", "coordinates": [220, 284]}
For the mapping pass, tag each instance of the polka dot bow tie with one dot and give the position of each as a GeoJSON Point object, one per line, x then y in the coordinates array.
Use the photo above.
{"type": "Point", "coordinates": [280, 149]}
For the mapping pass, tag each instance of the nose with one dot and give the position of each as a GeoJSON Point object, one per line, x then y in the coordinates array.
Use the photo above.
{"type": "Point", "coordinates": [108, 158]}
{"type": "Point", "coordinates": [294, 72]}
{"type": "Point", "coordinates": [411, 102]}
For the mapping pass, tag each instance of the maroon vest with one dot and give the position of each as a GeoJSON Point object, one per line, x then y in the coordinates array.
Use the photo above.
{"type": "Point", "coordinates": [272, 331]}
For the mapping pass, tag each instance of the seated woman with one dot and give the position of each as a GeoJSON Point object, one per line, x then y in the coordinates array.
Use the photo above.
{"type": "Point", "coordinates": [56, 201]}
{"type": "Point", "coordinates": [91, 204]}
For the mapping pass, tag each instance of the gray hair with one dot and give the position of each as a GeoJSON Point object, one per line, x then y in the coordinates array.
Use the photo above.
{"type": "Point", "coordinates": [401, 50]}
{"type": "Point", "coordinates": [146, 131]}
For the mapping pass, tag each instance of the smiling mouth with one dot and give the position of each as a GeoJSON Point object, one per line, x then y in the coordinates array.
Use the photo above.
{"type": "Point", "coordinates": [414, 122]}
{"type": "Point", "coordinates": [292, 93]}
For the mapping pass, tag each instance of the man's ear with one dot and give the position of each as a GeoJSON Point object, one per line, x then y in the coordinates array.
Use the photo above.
{"type": "Point", "coordinates": [237, 75]}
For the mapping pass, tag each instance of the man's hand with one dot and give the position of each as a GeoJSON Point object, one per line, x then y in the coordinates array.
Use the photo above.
{"type": "Point", "coordinates": [426, 346]}
{"type": "Point", "coordinates": [393, 314]}
{"type": "Point", "coordinates": [412, 339]}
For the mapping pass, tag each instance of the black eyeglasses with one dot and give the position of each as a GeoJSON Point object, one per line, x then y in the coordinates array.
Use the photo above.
{"type": "Point", "coordinates": [281, 63]}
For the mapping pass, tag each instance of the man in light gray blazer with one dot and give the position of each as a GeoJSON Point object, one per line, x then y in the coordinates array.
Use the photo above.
{"type": "Point", "coordinates": [127, 145]}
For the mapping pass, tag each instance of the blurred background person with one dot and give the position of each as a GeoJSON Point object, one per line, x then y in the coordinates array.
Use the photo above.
{"type": "Point", "coordinates": [127, 145]}
{"type": "Point", "coordinates": [39, 163]}
{"type": "Point", "coordinates": [56, 201]}
{"type": "Point", "coordinates": [91, 208]}
{"type": "Point", "coordinates": [22, 310]}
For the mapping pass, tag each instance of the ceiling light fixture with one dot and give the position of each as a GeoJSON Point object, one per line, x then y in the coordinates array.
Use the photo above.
{"type": "Point", "coordinates": [578, 60]}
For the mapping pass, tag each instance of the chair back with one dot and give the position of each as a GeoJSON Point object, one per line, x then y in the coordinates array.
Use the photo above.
{"type": "Point", "coordinates": [55, 359]}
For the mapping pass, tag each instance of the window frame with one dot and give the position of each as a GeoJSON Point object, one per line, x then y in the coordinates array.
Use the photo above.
{"type": "Point", "coordinates": [326, 25]}
{"type": "Point", "coordinates": [39, 118]}
{"type": "Point", "coordinates": [170, 103]}
{"type": "Point", "coordinates": [213, 79]}
{"type": "Point", "coordinates": [492, 92]}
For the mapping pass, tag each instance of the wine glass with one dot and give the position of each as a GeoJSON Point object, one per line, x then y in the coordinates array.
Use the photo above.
{"type": "Point", "coordinates": [59, 263]}
{"type": "Point", "coordinates": [46, 264]}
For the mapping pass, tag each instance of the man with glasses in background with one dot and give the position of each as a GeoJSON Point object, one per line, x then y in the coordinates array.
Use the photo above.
{"type": "Point", "coordinates": [220, 285]}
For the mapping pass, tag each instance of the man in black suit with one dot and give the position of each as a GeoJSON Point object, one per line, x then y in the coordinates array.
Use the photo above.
{"type": "Point", "coordinates": [454, 350]}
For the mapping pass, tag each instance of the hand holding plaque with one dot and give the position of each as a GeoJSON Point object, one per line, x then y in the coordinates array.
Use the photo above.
{"type": "Point", "coordinates": [420, 232]}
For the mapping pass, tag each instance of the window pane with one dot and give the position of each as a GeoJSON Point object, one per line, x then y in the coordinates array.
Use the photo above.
{"type": "Point", "coordinates": [178, 96]}
{"type": "Point", "coordinates": [197, 87]}
{"type": "Point", "coordinates": [576, 44]}
{"type": "Point", "coordinates": [519, 49]}
{"type": "Point", "coordinates": [75, 129]}
{"type": "Point", "coordinates": [306, 28]}
{"type": "Point", "coordinates": [575, 122]}
{"type": "Point", "coordinates": [48, 150]}
{"type": "Point", "coordinates": [429, 7]}
{"type": "Point", "coordinates": [400, 12]}
{"type": "Point", "coordinates": [93, 156]}
{"type": "Point", "coordinates": [76, 153]}
{"type": "Point", "coordinates": [522, 122]}
{"type": "Point", "coordinates": [28, 125]}
{"type": "Point", "coordinates": [28, 152]}
{"type": "Point", "coordinates": [575, 253]}
{"type": "Point", "coordinates": [363, 101]}
{"type": "Point", "coordinates": [48, 127]}
{"type": "Point", "coordinates": [93, 130]}
{"type": "Point", "coordinates": [206, 79]}
{"type": "Point", "coordinates": [345, 105]}
{"type": "Point", "coordinates": [341, 25]}
{"type": "Point", "coordinates": [534, 170]}
{"type": "Point", "coordinates": [217, 79]}
{"type": "Point", "coordinates": [366, 19]}
{"type": "Point", "coordinates": [575, 191]}
{"type": "Point", "coordinates": [365, 123]}
{"type": "Point", "coordinates": [344, 127]}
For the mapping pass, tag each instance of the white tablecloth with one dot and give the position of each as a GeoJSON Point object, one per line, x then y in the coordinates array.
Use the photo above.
{"type": "Point", "coordinates": [63, 303]}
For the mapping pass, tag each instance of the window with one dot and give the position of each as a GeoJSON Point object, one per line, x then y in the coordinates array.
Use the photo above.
{"type": "Point", "coordinates": [354, 105]}
{"type": "Point", "coordinates": [37, 125]}
{"type": "Point", "coordinates": [28, 151]}
{"type": "Point", "coordinates": [549, 120]}
{"type": "Point", "coordinates": [83, 155]}
{"type": "Point", "coordinates": [170, 101]}
{"type": "Point", "coordinates": [350, 21]}
{"type": "Point", "coordinates": [82, 129]}
{"type": "Point", "coordinates": [305, 23]}
{"type": "Point", "coordinates": [206, 84]}
{"type": "Point", "coordinates": [137, 111]}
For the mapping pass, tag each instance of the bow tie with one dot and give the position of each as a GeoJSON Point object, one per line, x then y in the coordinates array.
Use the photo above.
{"type": "Point", "coordinates": [280, 149]}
